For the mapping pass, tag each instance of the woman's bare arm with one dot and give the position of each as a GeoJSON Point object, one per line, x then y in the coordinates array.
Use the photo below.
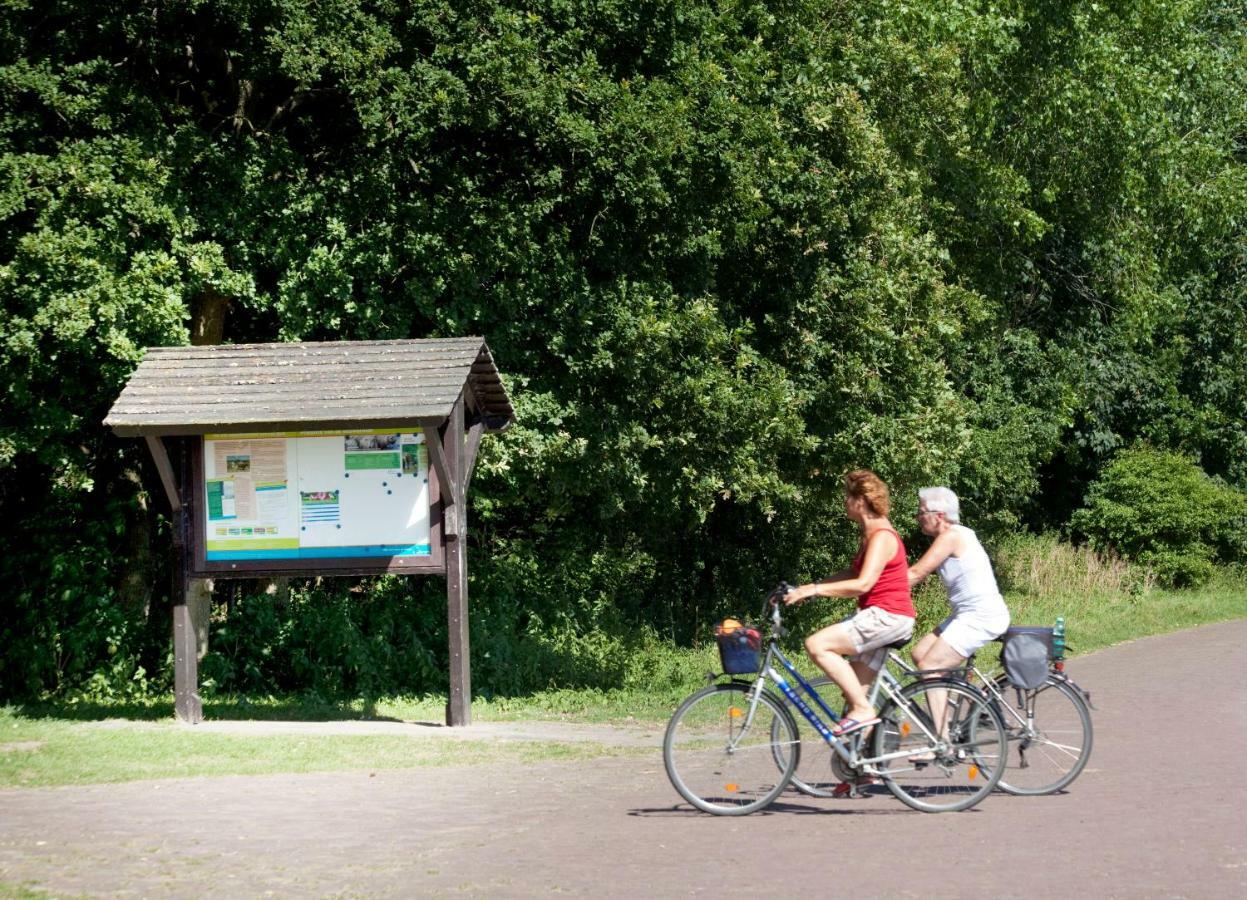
{"type": "Point", "coordinates": [879, 550]}
{"type": "Point", "coordinates": [944, 546]}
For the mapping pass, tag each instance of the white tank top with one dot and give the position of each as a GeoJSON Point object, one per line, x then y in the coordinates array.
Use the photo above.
{"type": "Point", "coordinates": [970, 582]}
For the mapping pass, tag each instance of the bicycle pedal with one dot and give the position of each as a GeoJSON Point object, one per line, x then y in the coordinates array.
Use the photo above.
{"type": "Point", "coordinates": [848, 790]}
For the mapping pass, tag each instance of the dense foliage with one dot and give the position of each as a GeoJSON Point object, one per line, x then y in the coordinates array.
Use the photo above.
{"type": "Point", "coordinates": [1159, 508]}
{"type": "Point", "coordinates": [722, 251]}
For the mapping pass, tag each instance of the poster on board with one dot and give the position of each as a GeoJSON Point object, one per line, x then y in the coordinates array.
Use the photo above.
{"type": "Point", "coordinates": [315, 495]}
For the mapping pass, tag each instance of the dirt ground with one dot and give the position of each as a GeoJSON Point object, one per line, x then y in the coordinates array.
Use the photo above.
{"type": "Point", "coordinates": [1159, 812]}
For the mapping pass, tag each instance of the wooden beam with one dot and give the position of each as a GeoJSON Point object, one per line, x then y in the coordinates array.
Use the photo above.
{"type": "Point", "coordinates": [186, 703]}
{"type": "Point", "coordinates": [459, 707]}
{"type": "Point", "coordinates": [474, 444]}
{"type": "Point", "coordinates": [160, 456]}
{"type": "Point", "coordinates": [445, 480]}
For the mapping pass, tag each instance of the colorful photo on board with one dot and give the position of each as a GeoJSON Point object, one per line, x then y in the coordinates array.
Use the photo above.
{"type": "Point", "coordinates": [411, 459]}
{"type": "Point", "coordinates": [372, 451]}
{"type": "Point", "coordinates": [238, 463]}
{"type": "Point", "coordinates": [356, 443]}
{"type": "Point", "coordinates": [320, 508]}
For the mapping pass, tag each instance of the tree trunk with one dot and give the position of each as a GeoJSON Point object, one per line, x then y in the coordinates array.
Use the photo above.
{"type": "Point", "coordinates": [134, 588]}
{"type": "Point", "coordinates": [208, 318]}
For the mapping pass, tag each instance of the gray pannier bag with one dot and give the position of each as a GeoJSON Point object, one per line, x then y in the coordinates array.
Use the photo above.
{"type": "Point", "coordinates": [1026, 654]}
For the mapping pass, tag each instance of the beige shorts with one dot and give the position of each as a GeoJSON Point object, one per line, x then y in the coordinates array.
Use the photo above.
{"type": "Point", "coordinates": [873, 630]}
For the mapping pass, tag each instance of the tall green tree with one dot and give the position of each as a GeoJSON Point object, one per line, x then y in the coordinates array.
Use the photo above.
{"type": "Point", "coordinates": [722, 251]}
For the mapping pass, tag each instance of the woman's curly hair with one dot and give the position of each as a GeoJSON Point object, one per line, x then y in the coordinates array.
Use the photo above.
{"type": "Point", "coordinates": [868, 486]}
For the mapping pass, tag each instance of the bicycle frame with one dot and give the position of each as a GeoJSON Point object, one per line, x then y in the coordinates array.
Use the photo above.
{"type": "Point", "coordinates": [884, 682]}
{"type": "Point", "coordinates": [988, 687]}
{"type": "Point", "coordinates": [963, 673]}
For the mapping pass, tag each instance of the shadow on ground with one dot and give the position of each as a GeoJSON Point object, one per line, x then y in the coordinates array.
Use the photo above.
{"type": "Point", "coordinates": [233, 709]}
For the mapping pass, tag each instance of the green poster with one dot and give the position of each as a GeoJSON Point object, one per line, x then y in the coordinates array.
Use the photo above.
{"type": "Point", "coordinates": [216, 493]}
{"type": "Point", "coordinates": [386, 460]}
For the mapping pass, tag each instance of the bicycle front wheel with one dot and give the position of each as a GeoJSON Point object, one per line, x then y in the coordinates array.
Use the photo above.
{"type": "Point", "coordinates": [932, 715]}
{"type": "Point", "coordinates": [721, 758]}
{"type": "Point", "coordinates": [1050, 749]}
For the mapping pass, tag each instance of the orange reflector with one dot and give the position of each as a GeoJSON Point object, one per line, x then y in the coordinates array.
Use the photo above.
{"type": "Point", "coordinates": [904, 729]}
{"type": "Point", "coordinates": [731, 788]}
{"type": "Point", "coordinates": [735, 712]}
{"type": "Point", "coordinates": [974, 772]}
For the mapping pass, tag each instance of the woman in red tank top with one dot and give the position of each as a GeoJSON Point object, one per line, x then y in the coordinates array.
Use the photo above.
{"type": "Point", "coordinates": [879, 579]}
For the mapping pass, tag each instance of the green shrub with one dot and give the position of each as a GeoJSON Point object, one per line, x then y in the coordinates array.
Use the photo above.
{"type": "Point", "coordinates": [1160, 508]}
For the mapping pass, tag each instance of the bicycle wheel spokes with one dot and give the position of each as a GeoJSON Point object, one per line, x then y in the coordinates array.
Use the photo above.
{"type": "Point", "coordinates": [723, 762]}
{"type": "Point", "coordinates": [819, 771]}
{"type": "Point", "coordinates": [919, 772]}
{"type": "Point", "coordinates": [1047, 754]}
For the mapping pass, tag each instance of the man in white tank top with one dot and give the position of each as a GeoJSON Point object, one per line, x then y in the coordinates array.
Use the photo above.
{"type": "Point", "coordinates": [979, 614]}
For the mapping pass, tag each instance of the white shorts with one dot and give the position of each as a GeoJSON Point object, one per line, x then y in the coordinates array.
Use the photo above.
{"type": "Point", "coordinates": [968, 634]}
{"type": "Point", "coordinates": [873, 630]}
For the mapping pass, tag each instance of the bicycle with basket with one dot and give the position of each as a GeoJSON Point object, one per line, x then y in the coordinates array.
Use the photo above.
{"type": "Point", "coordinates": [732, 747]}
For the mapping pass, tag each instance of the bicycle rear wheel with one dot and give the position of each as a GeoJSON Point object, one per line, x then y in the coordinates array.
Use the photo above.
{"type": "Point", "coordinates": [968, 767]}
{"type": "Point", "coordinates": [721, 760]}
{"type": "Point", "coordinates": [1047, 752]}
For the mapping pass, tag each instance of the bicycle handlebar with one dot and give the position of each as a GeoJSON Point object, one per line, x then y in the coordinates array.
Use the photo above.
{"type": "Point", "coordinates": [772, 599]}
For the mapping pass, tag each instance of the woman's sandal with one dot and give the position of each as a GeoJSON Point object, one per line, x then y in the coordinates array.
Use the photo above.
{"type": "Point", "coordinates": [848, 726]}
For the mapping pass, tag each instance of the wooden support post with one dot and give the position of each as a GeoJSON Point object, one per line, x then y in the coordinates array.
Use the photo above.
{"type": "Point", "coordinates": [186, 704]}
{"type": "Point", "coordinates": [459, 707]}
{"type": "Point", "coordinates": [199, 601]}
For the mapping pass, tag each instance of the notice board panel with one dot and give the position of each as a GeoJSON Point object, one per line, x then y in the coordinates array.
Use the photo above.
{"type": "Point", "coordinates": [278, 500]}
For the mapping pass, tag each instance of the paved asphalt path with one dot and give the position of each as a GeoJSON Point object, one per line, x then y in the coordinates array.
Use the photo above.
{"type": "Point", "coordinates": [1159, 812]}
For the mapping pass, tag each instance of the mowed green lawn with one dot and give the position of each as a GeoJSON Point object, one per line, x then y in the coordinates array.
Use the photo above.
{"type": "Point", "coordinates": [46, 752]}
{"type": "Point", "coordinates": [63, 745]}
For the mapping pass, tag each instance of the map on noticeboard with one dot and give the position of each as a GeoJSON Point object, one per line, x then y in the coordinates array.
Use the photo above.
{"type": "Point", "coordinates": [312, 495]}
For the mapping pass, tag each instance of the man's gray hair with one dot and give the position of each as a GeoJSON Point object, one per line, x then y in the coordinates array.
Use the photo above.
{"type": "Point", "coordinates": [941, 500]}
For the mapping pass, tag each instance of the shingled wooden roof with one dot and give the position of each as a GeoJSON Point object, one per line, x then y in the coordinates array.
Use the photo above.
{"type": "Point", "coordinates": [308, 387]}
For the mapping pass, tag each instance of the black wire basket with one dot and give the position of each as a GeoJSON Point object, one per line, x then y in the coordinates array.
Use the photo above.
{"type": "Point", "coordinates": [740, 647]}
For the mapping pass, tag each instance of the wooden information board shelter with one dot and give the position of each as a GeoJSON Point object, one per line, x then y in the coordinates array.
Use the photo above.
{"type": "Point", "coordinates": [305, 459]}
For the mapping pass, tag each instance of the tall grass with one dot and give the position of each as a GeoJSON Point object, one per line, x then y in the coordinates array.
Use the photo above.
{"type": "Point", "coordinates": [1044, 566]}
{"type": "Point", "coordinates": [1105, 600]}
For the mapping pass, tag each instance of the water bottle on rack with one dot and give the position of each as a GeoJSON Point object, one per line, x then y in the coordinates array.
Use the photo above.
{"type": "Point", "coordinates": [1058, 639]}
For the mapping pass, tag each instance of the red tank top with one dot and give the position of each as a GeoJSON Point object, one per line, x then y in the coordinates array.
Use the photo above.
{"type": "Point", "coordinates": [891, 591]}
